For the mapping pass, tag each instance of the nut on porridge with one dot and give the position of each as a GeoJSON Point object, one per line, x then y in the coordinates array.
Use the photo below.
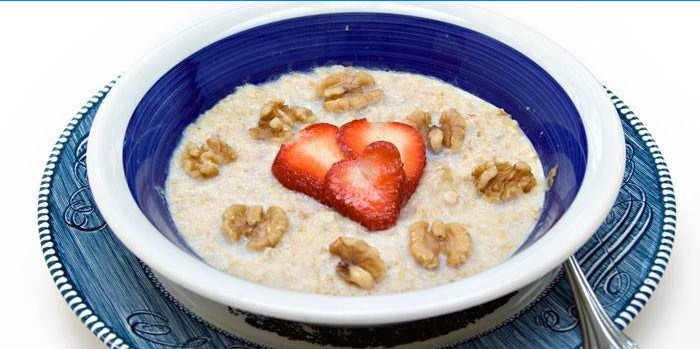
{"type": "Point", "coordinates": [427, 241]}
{"type": "Point", "coordinates": [264, 229]}
{"type": "Point", "coordinates": [452, 126]}
{"type": "Point", "coordinates": [502, 181]}
{"type": "Point", "coordinates": [346, 90]}
{"type": "Point", "coordinates": [277, 121]}
{"type": "Point", "coordinates": [354, 182]}
{"type": "Point", "coordinates": [203, 162]}
{"type": "Point", "coordinates": [360, 263]}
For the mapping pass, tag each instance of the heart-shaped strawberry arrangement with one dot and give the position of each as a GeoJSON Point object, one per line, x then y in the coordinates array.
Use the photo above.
{"type": "Point", "coordinates": [365, 170]}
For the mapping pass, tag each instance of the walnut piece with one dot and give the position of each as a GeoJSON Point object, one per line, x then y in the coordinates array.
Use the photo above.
{"type": "Point", "coordinates": [453, 127]}
{"type": "Point", "coordinates": [502, 181]}
{"type": "Point", "coordinates": [353, 101]}
{"type": "Point", "coordinates": [550, 176]}
{"type": "Point", "coordinates": [240, 220]}
{"type": "Point", "coordinates": [203, 162]}
{"type": "Point", "coordinates": [264, 229]}
{"type": "Point", "coordinates": [450, 134]}
{"type": "Point", "coordinates": [335, 85]}
{"type": "Point", "coordinates": [420, 120]}
{"type": "Point", "coordinates": [360, 263]}
{"type": "Point", "coordinates": [347, 90]}
{"type": "Point", "coordinates": [435, 139]}
{"type": "Point", "coordinates": [277, 121]}
{"type": "Point", "coordinates": [270, 230]}
{"type": "Point", "coordinates": [457, 244]}
{"type": "Point", "coordinates": [355, 275]}
{"type": "Point", "coordinates": [424, 246]}
{"type": "Point", "coordinates": [427, 241]}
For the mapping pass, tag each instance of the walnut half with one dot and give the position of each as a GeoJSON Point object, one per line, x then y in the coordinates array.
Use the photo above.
{"type": "Point", "coordinates": [427, 241]}
{"type": "Point", "coordinates": [277, 120]}
{"type": "Point", "coordinates": [346, 90]}
{"type": "Point", "coordinates": [453, 126]}
{"type": "Point", "coordinates": [360, 263]}
{"type": "Point", "coordinates": [502, 181]}
{"type": "Point", "coordinates": [424, 246]}
{"type": "Point", "coordinates": [457, 244]}
{"type": "Point", "coordinates": [449, 135]}
{"type": "Point", "coordinates": [264, 229]}
{"type": "Point", "coordinates": [203, 162]}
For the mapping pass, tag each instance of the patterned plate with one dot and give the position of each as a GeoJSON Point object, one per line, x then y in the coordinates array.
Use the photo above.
{"type": "Point", "coordinates": [118, 298]}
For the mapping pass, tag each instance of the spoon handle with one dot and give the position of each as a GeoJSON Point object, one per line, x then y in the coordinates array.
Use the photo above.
{"type": "Point", "coordinates": [597, 330]}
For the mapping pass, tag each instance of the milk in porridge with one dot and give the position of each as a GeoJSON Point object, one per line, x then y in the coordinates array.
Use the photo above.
{"type": "Point", "coordinates": [301, 260]}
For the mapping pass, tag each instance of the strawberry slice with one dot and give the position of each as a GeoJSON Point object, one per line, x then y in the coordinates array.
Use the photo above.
{"type": "Point", "coordinates": [355, 135]}
{"type": "Point", "coordinates": [368, 189]}
{"type": "Point", "coordinates": [302, 163]}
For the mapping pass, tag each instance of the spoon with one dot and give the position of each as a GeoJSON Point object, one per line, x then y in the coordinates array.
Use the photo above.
{"type": "Point", "coordinates": [598, 331]}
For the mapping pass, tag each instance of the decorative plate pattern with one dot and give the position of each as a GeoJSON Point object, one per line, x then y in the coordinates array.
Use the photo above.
{"type": "Point", "coordinates": [120, 301]}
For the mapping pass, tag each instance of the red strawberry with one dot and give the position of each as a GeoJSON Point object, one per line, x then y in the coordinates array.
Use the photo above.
{"type": "Point", "coordinates": [357, 134]}
{"type": "Point", "coordinates": [368, 189]}
{"type": "Point", "coordinates": [302, 163]}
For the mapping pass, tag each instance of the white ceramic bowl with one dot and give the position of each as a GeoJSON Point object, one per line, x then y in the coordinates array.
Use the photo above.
{"type": "Point", "coordinates": [604, 169]}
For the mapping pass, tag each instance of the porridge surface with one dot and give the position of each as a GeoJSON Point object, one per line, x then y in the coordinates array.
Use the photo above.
{"type": "Point", "coordinates": [301, 261]}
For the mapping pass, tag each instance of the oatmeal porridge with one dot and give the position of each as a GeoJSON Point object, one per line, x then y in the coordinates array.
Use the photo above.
{"type": "Point", "coordinates": [434, 186]}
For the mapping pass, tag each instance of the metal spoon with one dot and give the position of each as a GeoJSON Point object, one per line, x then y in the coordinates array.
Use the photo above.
{"type": "Point", "coordinates": [597, 329]}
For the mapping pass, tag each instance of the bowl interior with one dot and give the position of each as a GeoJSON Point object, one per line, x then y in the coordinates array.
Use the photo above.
{"type": "Point", "coordinates": [467, 59]}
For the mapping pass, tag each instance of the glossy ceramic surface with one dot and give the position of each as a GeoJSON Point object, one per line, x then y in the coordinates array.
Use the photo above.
{"type": "Point", "coordinates": [560, 105]}
{"type": "Point", "coordinates": [467, 59]}
{"type": "Point", "coordinates": [122, 302]}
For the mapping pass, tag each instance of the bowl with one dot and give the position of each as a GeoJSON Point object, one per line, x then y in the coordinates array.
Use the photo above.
{"type": "Point", "coordinates": [560, 106]}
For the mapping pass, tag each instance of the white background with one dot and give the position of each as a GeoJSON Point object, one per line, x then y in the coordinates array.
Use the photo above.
{"type": "Point", "coordinates": [53, 56]}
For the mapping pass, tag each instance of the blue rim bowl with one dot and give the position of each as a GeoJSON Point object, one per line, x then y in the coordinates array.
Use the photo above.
{"type": "Point", "coordinates": [563, 115]}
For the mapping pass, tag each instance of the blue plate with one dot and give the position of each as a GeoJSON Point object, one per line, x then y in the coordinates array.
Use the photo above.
{"type": "Point", "coordinates": [124, 305]}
